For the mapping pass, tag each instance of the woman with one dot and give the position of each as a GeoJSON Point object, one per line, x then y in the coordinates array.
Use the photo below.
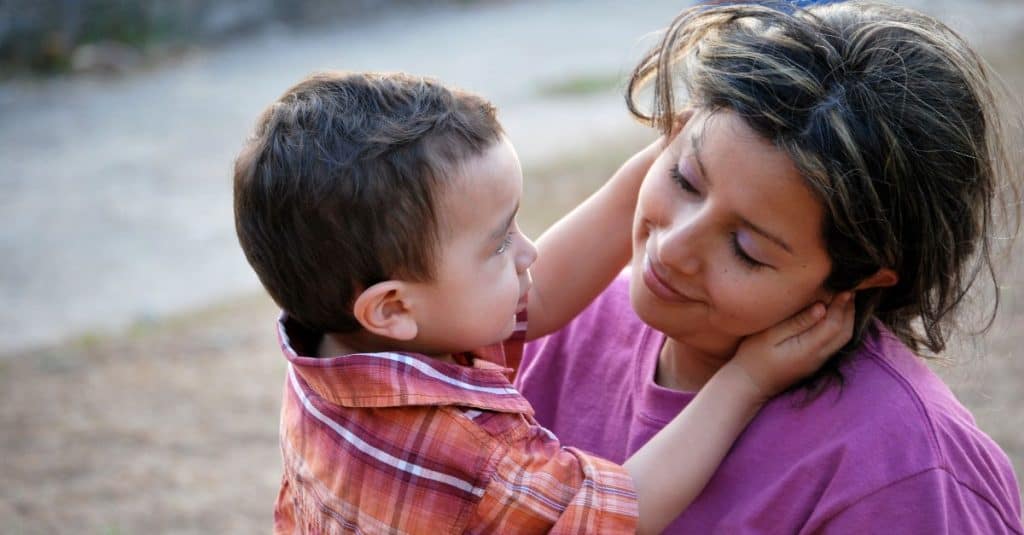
{"type": "Point", "coordinates": [851, 146]}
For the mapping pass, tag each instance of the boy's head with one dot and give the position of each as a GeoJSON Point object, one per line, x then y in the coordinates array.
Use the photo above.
{"type": "Point", "coordinates": [344, 186]}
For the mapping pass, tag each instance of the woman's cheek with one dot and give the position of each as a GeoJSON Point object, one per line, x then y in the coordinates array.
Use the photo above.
{"type": "Point", "coordinates": [747, 305]}
{"type": "Point", "coordinates": [727, 295]}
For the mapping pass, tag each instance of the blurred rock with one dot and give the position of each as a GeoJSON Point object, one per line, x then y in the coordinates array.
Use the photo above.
{"type": "Point", "coordinates": [229, 17]}
{"type": "Point", "coordinates": [105, 57]}
{"type": "Point", "coordinates": [43, 35]}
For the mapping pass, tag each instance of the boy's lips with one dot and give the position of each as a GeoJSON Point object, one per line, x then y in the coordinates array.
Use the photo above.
{"type": "Point", "coordinates": [659, 287]}
{"type": "Point", "coordinates": [521, 304]}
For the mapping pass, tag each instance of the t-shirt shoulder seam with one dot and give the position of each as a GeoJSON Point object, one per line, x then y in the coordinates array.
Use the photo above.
{"type": "Point", "coordinates": [981, 496]}
{"type": "Point", "coordinates": [944, 470]}
{"type": "Point", "coordinates": [915, 398]}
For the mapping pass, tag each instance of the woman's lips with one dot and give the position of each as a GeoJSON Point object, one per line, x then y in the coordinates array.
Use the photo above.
{"type": "Point", "coordinates": [659, 287]}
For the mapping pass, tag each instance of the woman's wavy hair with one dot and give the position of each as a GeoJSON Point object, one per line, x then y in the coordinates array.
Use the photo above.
{"type": "Point", "coordinates": [890, 117]}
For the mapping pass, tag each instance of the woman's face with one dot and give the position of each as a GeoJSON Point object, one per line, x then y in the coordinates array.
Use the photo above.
{"type": "Point", "coordinates": [726, 237]}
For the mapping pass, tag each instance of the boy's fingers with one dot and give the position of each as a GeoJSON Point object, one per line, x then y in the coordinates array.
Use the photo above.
{"type": "Point", "coordinates": [842, 320]}
{"type": "Point", "coordinates": [799, 323]}
{"type": "Point", "coordinates": [829, 332]}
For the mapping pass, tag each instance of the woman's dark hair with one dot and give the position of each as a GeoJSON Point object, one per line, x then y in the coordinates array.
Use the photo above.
{"type": "Point", "coordinates": [890, 117]}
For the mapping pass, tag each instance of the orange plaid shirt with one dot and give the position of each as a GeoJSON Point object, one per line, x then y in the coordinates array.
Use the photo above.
{"type": "Point", "coordinates": [403, 443]}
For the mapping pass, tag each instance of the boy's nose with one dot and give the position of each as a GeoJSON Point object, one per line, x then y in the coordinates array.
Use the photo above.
{"type": "Point", "coordinates": [526, 254]}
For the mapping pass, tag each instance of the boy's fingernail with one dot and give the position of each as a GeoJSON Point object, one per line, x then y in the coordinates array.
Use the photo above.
{"type": "Point", "coordinates": [817, 311]}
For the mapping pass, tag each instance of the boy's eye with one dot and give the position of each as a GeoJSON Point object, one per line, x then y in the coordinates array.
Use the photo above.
{"type": "Point", "coordinates": [679, 178]}
{"type": "Point", "coordinates": [505, 243]}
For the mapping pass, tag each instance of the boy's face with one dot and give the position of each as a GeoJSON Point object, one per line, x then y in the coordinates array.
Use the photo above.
{"type": "Point", "coordinates": [482, 276]}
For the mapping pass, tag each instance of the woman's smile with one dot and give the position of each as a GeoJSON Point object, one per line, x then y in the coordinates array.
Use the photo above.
{"type": "Point", "coordinates": [718, 197]}
{"type": "Point", "coordinates": [657, 282]}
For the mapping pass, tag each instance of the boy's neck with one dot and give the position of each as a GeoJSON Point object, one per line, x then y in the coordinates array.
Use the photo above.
{"type": "Point", "coordinates": [334, 344]}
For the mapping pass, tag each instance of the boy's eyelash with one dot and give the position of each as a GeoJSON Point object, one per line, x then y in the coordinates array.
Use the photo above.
{"type": "Point", "coordinates": [742, 255]}
{"type": "Point", "coordinates": [683, 182]}
{"type": "Point", "coordinates": [505, 243]}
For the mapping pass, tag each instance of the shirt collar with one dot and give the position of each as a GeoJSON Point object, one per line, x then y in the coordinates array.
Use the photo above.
{"type": "Point", "coordinates": [399, 379]}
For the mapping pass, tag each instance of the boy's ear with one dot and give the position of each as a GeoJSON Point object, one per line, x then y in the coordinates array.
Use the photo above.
{"type": "Point", "coordinates": [382, 310]}
{"type": "Point", "coordinates": [883, 278]}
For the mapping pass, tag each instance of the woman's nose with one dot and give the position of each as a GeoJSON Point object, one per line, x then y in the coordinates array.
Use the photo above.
{"type": "Point", "coordinates": [680, 246]}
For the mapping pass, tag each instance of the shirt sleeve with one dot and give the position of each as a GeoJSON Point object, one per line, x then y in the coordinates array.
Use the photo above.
{"type": "Point", "coordinates": [284, 513]}
{"type": "Point", "coordinates": [931, 502]}
{"type": "Point", "coordinates": [540, 487]}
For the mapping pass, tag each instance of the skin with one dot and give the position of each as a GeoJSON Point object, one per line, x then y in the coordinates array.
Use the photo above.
{"type": "Point", "coordinates": [483, 279]}
{"type": "Point", "coordinates": [718, 198]}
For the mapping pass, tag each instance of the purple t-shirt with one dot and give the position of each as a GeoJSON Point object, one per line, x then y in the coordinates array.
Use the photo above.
{"type": "Point", "coordinates": [892, 452]}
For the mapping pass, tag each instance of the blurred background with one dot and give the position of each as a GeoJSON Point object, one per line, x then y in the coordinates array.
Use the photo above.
{"type": "Point", "coordinates": [139, 370]}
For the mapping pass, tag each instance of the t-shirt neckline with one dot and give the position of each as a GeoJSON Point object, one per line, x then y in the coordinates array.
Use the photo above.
{"type": "Point", "coordinates": [657, 404]}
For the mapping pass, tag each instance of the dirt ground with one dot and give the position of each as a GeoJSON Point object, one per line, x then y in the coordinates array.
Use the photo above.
{"type": "Point", "coordinates": [172, 427]}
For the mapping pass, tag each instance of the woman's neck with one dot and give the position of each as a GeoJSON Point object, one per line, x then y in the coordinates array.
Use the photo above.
{"type": "Point", "coordinates": [686, 367]}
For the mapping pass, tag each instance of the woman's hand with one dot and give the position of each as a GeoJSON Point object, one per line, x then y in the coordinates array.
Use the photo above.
{"type": "Point", "coordinates": [774, 359]}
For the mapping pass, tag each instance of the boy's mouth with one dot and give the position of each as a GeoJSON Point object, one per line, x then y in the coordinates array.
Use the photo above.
{"type": "Point", "coordinates": [521, 305]}
{"type": "Point", "coordinates": [525, 285]}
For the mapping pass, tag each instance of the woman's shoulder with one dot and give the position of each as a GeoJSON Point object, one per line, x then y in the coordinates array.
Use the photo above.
{"type": "Point", "coordinates": [885, 369]}
{"type": "Point", "coordinates": [886, 388]}
{"type": "Point", "coordinates": [892, 419]}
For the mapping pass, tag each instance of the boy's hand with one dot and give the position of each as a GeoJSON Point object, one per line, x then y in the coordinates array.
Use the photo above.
{"type": "Point", "coordinates": [779, 356]}
{"type": "Point", "coordinates": [648, 154]}
{"type": "Point", "coordinates": [599, 229]}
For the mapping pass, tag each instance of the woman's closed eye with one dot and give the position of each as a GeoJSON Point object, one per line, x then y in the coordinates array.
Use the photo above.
{"type": "Point", "coordinates": [679, 178]}
{"type": "Point", "coordinates": [742, 255]}
{"type": "Point", "coordinates": [749, 261]}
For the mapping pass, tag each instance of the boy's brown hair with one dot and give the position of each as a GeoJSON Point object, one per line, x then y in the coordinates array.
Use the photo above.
{"type": "Point", "coordinates": [338, 188]}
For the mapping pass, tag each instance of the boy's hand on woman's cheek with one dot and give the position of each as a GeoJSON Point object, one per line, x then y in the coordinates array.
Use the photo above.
{"type": "Point", "coordinates": [773, 359]}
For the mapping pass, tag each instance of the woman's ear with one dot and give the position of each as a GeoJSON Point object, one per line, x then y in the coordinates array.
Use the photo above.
{"type": "Point", "coordinates": [883, 278]}
{"type": "Point", "coordinates": [382, 310]}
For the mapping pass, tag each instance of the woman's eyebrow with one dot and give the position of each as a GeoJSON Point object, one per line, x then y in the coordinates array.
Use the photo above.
{"type": "Point", "coordinates": [773, 238]}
